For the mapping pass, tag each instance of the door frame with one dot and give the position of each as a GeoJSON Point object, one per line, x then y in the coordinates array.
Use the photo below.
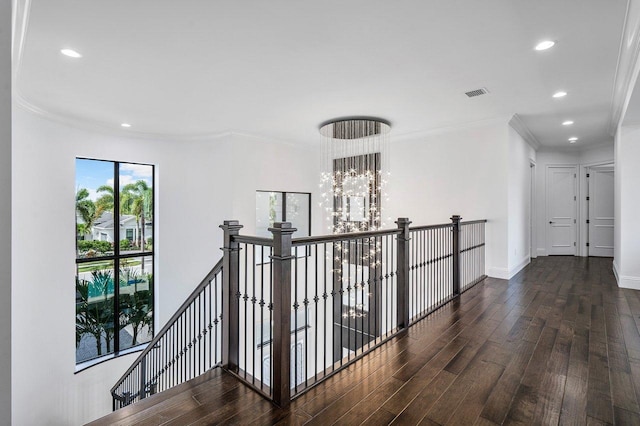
{"type": "Point", "coordinates": [547, 238]}
{"type": "Point", "coordinates": [583, 229]}
{"type": "Point", "coordinates": [533, 251]}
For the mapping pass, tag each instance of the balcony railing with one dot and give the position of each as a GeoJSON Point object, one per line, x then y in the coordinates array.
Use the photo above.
{"type": "Point", "coordinates": [287, 313]}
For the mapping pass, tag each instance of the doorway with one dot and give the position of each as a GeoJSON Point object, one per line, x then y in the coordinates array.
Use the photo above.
{"type": "Point", "coordinates": [561, 210]}
{"type": "Point", "coordinates": [600, 214]}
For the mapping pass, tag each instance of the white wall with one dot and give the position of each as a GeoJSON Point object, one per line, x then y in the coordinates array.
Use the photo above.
{"type": "Point", "coordinates": [581, 159]}
{"type": "Point", "coordinates": [521, 154]}
{"type": "Point", "coordinates": [196, 185]}
{"type": "Point", "coordinates": [269, 166]}
{"type": "Point", "coordinates": [627, 179]}
{"type": "Point", "coordinates": [454, 171]}
{"type": "Point", "coordinates": [5, 212]}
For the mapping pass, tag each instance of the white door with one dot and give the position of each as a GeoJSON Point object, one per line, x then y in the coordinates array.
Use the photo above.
{"type": "Point", "coordinates": [601, 211]}
{"type": "Point", "coordinates": [561, 210]}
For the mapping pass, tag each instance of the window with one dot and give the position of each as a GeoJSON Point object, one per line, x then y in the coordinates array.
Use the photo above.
{"type": "Point", "coordinates": [114, 257]}
{"type": "Point", "coordinates": [274, 206]}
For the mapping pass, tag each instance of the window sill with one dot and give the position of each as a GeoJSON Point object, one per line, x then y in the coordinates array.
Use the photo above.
{"type": "Point", "coordinates": [92, 362]}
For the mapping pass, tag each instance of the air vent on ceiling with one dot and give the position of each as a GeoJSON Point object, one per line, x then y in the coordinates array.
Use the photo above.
{"type": "Point", "coordinates": [477, 92]}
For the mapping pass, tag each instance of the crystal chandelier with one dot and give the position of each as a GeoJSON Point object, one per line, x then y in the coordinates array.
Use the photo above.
{"type": "Point", "coordinates": [355, 167]}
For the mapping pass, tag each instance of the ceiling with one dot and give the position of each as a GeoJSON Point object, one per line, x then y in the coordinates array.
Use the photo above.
{"type": "Point", "coordinates": [278, 68]}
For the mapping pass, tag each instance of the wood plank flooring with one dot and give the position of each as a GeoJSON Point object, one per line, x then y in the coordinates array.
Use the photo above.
{"type": "Point", "coordinates": [557, 344]}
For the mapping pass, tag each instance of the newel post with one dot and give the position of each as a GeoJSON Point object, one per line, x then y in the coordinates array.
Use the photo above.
{"type": "Point", "coordinates": [403, 272]}
{"type": "Point", "coordinates": [456, 253]}
{"type": "Point", "coordinates": [281, 269]}
{"type": "Point", "coordinates": [230, 295]}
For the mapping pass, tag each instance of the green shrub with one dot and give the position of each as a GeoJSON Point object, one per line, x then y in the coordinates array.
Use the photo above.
{"type": "Point", "coordinates": [98, 246]}
{"type": "Point", "coordinates": [125, 244]}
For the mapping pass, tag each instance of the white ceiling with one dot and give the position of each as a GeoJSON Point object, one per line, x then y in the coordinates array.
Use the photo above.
{"type": "Point", "coordinates": [280, 68]}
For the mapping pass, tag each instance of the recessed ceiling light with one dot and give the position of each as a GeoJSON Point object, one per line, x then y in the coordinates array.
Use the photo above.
{"type": "Point", "coordinates": [544, 45]}
{"type": "Point", "coordinates": [573, 139]}
{"type": "Point", "coordinates": [560, 94]}
{"type": "Point", "coordinates": [126, 125]}
{"type": "Point", "coordinates": [567, 123]}
{"type": "Point", "coordinates": [70, 53]}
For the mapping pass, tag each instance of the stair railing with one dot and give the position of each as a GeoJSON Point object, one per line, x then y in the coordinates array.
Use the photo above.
{"type": "Point", "coordinates": [283, 314]}
{"type": "Point", "coordinates": [187, 346]}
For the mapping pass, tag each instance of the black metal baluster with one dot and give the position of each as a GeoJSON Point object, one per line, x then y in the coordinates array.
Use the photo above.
{"type": "Point", "coordinates": [340, 293]}
{"type": "Point", "coordinates": [262, 304]}
{"type": "Point", "coordinates": [296, 305]}
{"type": "Point", "coordinates": [253, 315]}
{"type": "Point", "coordinates": [214, 322]}
{"type": "Point", "coordinates": [325, 321]}
{"type": "Point", "coordinates": [441, 288]}
{"type": "Point", "coordinates": [271, 317]}
{"type": "Point", "coordinates": [423, 252]}
{"type": "Point", "coordinates": [245, 297]}
{"type": "Point", "coordinates": [314, 249]}
{"type": "Point", "coordinates": [359, 262]}
{"type": "Point", "coordinates": [306, 313]}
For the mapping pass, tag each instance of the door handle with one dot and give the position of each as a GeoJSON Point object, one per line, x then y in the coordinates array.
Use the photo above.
{"type": "Point", "coordinates": [550, 222]}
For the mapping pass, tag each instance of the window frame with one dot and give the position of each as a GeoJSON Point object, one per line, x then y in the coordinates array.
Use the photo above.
{"type": "Point", "coordinates": [117, 257]}
{"type": "Point", "coordinates": [284, 205]}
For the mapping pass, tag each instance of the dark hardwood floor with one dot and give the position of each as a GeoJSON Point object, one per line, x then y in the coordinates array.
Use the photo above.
{"type": "Point", "coordinates": [557, 344]}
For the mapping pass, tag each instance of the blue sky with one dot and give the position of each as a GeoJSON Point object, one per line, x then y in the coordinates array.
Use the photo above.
{"type": "Point", "coordinates": [91, 174]}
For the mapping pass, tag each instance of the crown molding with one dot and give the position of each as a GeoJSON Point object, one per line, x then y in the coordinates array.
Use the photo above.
{"type": "Point", "coordinates": [271, 139]}
{"type": "Point", "coordinates": [627, 70]}
{"type": "Point", "coordinates": [576, 149]}
{"type": "Point", "coordinates": [21, 11]}
{"type": "Point", "coordinates": [108, 128]}
{"type": "Point", "coordinates": [449, 128]}
{"type": "Point", "coordinates": [518, 125]}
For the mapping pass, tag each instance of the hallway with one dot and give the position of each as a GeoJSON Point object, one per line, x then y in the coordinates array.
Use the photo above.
{"type": "Point", "coordinates": [558, 343]}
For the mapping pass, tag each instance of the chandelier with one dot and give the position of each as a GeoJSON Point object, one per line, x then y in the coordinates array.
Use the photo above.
{"type": "Point", "coordinates": [355, 166]}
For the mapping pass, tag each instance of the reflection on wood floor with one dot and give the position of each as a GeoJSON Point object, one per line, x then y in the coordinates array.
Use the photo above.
{"type": "Point", "coordinates": [557, 344]}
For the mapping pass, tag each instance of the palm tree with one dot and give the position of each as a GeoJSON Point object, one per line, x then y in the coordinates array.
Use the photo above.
{"type": "Point", "coordinates": [137, 199]}
{"type": "Point", "coordinates": [105, 202]}
{"type": "Point", "coordinates": [86, 209]}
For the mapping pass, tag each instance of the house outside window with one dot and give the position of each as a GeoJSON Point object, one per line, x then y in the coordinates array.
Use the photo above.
{"type": "Point", "coordinates": [114, 258]}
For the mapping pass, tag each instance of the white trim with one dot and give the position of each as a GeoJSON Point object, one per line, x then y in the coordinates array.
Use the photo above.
{"type": "Point", "coordinates": [575, 148]}
{"type": "Point", "coordinates": [108, 128]}
{"type": "Point", "coordinates": [502, 273]}
{"type": "Point", "coordinates": [448, 128]}
{"type": "Point", "coordinates": [20, 23]}
{"type": "Point", "coordinates": [271, 139]}
{"type": "Point", "coordinates": [518, 125]}
{"type": "Point", "coordinates": [541, 251]}
{"type": "Point", "coordinates": [625, 77]}
{"type": "Point", "coordinates": [532, 209]}
{"type": "Point", "coordinates": [519, 267]}
{"type": "Point", "coordinates": [626, 281]}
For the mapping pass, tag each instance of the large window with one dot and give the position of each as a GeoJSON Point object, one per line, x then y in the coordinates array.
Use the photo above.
{"type": "Point", "coordinates": [114, 257]}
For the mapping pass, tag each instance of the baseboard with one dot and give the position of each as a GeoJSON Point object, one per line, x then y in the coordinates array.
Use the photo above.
{"type": "Point", "coordinates": [524, 262]}
{"type": "Point", "coordinates": [541, 251]}
{"type": "Point", "coordinates": [502, 273]}
{"type": "Point", "coordinates": [625, 281]}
